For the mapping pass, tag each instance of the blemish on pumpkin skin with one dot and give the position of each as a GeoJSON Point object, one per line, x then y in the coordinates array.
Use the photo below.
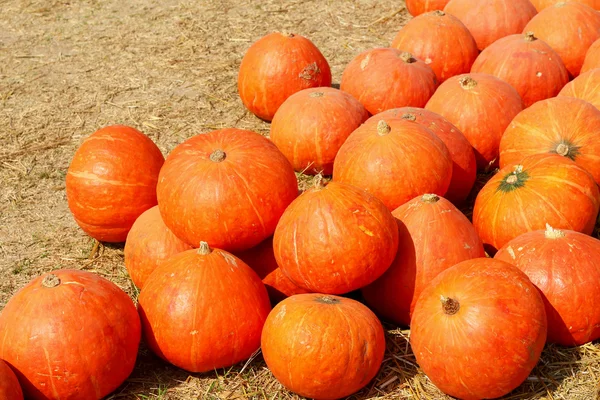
{"type": "Point", "coordinates": [230, 259]}
{"type": "Point", "coordinates": [511, 252]}
{"type": "Point", "coordinates": [194, 332]}
{"type": "Point", "coordinates": [365, 62]}
{"type": "Point", "coordinates": [365, 230]}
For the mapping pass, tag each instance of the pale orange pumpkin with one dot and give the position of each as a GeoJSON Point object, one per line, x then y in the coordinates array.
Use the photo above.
{"type": "Point", "coordinates": [585, 87]}
{"type": "Point", "coordinates": [592, 58]}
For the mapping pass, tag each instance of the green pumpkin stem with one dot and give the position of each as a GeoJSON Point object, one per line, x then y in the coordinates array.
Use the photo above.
{"type": "Point", "coordinates": [513, 180]}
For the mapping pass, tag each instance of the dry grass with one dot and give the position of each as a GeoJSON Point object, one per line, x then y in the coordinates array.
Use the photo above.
{"type": "Point", "coordinates": [169, 68]}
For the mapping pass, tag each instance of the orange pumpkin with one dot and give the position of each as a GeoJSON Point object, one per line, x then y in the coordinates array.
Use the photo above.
{"type": "Point", "coordinates": [203, 309]}
{"type": "Point", "coordinates": [542, 4]}
{"type": "Point", "coordinates": [524, 197]}
{"type": "Point", "coordinates": [335, 239]}
{"type": "Point", "coordinates": [481, 106]}
{"type": "Point", "coordinates": [527, 63]}
{"type": "Point", "coordinates": [227, 187]}
{"type": "Point", "coordinates": [570, 40]}
{"type": "Point", "coordinates": [395, 160]}
{"type": "Point", "coordinates": [385, 78]}
{"type": "Point", "coordinates": [490, 20]}
{"type": "Point", "coordinates": [277, 66]}
{"type": "Point", "coordinates": [564, 266]}
{"type": "Point", "coordinates": [561, 125]}
{"type": "Point", "coordinates": [585, 87]}
{"type": "Point", "coordinates": [310, 127]}
{"type": "Point", "coordinates": [9, 385]}
{"type": "Point", "coordinates": [112, 180]}
{"type": "Point", "coordinates": [418, 7]}
{"type": "Point", "coordinates": [592, 57]}
{"type": "Point", "coordinates": [441, 40]}
{"type": "Point", "coordinates": [434, 235]}
{"type": "Point", "coordinates": [323, 347]}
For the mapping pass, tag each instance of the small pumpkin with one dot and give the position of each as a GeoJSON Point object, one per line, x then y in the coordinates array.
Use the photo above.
{"type": "Point", "coordinates": [565, 126]}
{"type": "Point", "coordinates": [9, 384]}
{"type": "Point", "coordinates": [478, 329]}
{"type": "Point", "coordinates": [565, 268]}
{"type": "Point", "coordinates": [311, 125]}
{"type": "Point", "coordinates": [111, 181]}
{"type": "Point", "coordinates": [527, 63]}
{"type": "Point", "coordinates": [585, 87]}
{"type": "Point", "coordinates": [592, 58]}
{"type": "Point", "coordinates": [321, 346]}
{"type": "Point", "coordinates": [385, 78]}
{"type": "Point", "coordinates": [542, 4]}
{"type": "Point", "coordinates": [441, 40]}
{"type": "Point", "coordinates": [275, 67]}
{"type": "Point", "coordinates": [203, 309]}
{"type": "Point", "coordinates": [418, 7]}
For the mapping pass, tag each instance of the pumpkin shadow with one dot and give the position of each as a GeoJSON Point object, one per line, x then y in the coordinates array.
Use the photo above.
{"type": "Point", "coordinates": [335, 85]}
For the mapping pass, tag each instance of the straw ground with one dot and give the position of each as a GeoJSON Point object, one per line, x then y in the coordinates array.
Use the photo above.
{"type": "Point", "coordinates": [169, 68]}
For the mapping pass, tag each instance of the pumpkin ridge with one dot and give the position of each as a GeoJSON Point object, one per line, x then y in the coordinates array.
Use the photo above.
{"type": "Point", "coordinates": [550, 205]}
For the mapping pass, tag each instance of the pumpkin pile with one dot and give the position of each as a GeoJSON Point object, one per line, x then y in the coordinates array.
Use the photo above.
{"type": "Point", "coordinates": [231, 257]}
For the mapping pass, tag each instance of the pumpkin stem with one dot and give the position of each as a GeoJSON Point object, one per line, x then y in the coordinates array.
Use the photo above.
{"type": "Point", "coordinates": [530, 37]}
{"type": "Point", "coordinates": [51, 281]}
{"type": "Point", "coordinates": [467, 83]}
{"type": "Point", "coordinates": [204, 249]}
{"type": "Point", "coordinates": [562, 149]}
{"type": "Point", "coordinates": [430, 198]}
{"type": "Point", "coordinates": [438, 13]}
{"type": "Point", "coordinates": [552, 233]}
{"type": "Point", "coordinates": [407, 57]}
{"type": "Point", "coordinates": [513, 180]}
{"type": "Point", "coordinates": [450, 306]}
{"type": "Point", "coordinates": [383, 128]}
{"type": "Point", "coordinates": [409, 117]}
{"type": "Point", "coordinates": [327, 299]}
{"type": "Point", "coordinates": [316, 94]}
{"type": "Point", "coordinates": [287, 34]}
{"type": "Point", "coordinates": [318, 182]}
{"type": "Point", "coordinates": [218, 156]}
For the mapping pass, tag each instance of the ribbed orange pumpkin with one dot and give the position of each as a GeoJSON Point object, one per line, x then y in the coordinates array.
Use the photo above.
{"type": "Point", "coordinates": [481, 106]}
{"type": "Point", "coordinates": [148, 244]}
{"type": "Point", "coordinates": [524, 197]}
{"type": "Point", "coordinates": [527, 63]}
{"type": "Point", "coordinates": [478, 329]}
{"type": "Point", "coordinates": [585, 87]}
{"type": "Point", "coordinates": [570, 40]}
{"type": "Point", "coordinates": [434, 235]}
{"type": "Point", "coordinates": [418, 7]}
{"type": "Point", "coordinates": [335, 239]}
{"type": "Point", "coordinates": [70, 334]}
{"type": "Point", "coordinates": [542, 4]}
{"type": "Point", "coordinates": [565, 126]}
{"type": "Point", "coordinates": [203, 309]}
{"type": "Point", "coordinates": [323, 347]}
{"type": "Point", "coordinates": [464, 166]}
{"type": "Point", "coordinates": [385, 78]}
{"type": "Point", "coordinates": [565, 267]}
{"type": "Point", "coordinates": [277, 66]}
{"type": "Point", "coordinates": [9, 385]}
{"type": "Point", "coordinates": [490, 20]}
{"type": "Point", "coordinates": [112, 180]}
{"type": "Point", "coordinates": [441, 40]}
{"type": "Point", "coordinates": [227, 187]}
{"type": "Point", "coordinates": [395, 160]}
{"type": "Point", "coordinates": [311, 125]}
{"type": "Point", "coordinates": [592, 57]}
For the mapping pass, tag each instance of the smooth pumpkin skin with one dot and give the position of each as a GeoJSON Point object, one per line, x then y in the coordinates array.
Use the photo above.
{"type": "Point", "coordinates": [492, 342]}
{"type": "Point", "coordinates": [311, 125]}
{"type": "Point", "coordinates": [564, 266]}
{"type": "Point", "coordinates": [434, 236]}
{"type": "Point", "coordinates": [592, 58]}
{"type": "Point", "coordinates": [335, 239]}
{"type": "Point", "coordinates": [527, 63]}
{"type": "Point", "coordinates": [201, 311]}
{"type": "Point", "coordinates": [86, 330]}
{"type": "Point", "coordinates": [570, 29]}
{"type": "Point", "coordinates": [148, 244]}
{"type": "Point", "coordinates": [490, 20]}
{"type": "Point", "coordinates": [418, 7]}
{"type": "Point", "coordinates": [441, 40]}
{"type": "Point", "coordinates": [9, 384]}
{"type": "Point", "coordinates": [464, 165]}
{"type": "Point", "coordinates": [112, 180]}
{"type": "Point", "coordinates": [323, 347]}
{"type": "Point", "coordinates": [234, 202]}
{"type": "Point", "coordinates": [385, 78]}
{"type": "Point", "coordinates": [394, 160]}
{"type": "Point", "coordinates": [542, 189]}
{"type": "Point", "coordinates": [542, 4]}
{"type": "Point", "coordinates": [277, 66]}
{"type": "Point", "coordinates": [585, 87]}
{"type": "Point", "coordinates": [566, 126]}
{"type": "Point", "coordinates": [481, 106]}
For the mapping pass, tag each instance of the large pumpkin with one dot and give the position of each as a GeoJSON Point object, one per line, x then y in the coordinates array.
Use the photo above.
{"type": "Point", "coordinates": [70, 334]}
{"type": "Point", "coordinates": [481, 106]}
{"type": "Point", "coordinates": [464, 166]}
{"type": "Point", "coordinates": [434, 235]}
{"type": "Point", "coordinates": [112, 180]}
{"type": "Point", "coordinates": [527, 63]}
{"type": "Point", "coordinates": [418, 7]}
{"type": "Point", "coordinates": [490, 20]}
{"type": "Point", "coordinates": [542, 188]}
{"type": "Point", "coordinates": [570, 40]}
{"type": "Point", "coordinates": [277, 66]}
{"type": "Point", "coordinates": [395, 160]}
{"type": "Point", "coordinates": [385, 78]}
{"type": "Point", "coordinates": [10, 389]}
{"type": "Point", "coordinates": [227, 187]}
{"type": "Point", "coordinates": [310, 127]}
{"type": "Point", "coordinates": [335, 239]}
{"type": "Point", "coordinates": [148, 244]}
{"type": "Point", "coordinates": [585, 87]}
{"type": "Point", "coordinates": [203, 309]}
{"type": "Point", "coordinates": [479, 329]}
{"type": "Point", "coordinates": [565, 267]}
{"type": "Point", "coordinates": [542, 4]}
{"type": "Point", "coordinates": [592, 58]}
{"type": "Point", "coordinates": [441, 40]}
{"type": "Point", "coordinates": [561, 125]}
{"type": "Point", "coordinates": [323, 347]}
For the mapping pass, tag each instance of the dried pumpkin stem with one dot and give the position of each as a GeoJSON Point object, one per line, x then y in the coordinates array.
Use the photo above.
{"type": "Point", "coordinates": [218, 156]}
{"type": "Point", "coordinates": [407, 57]}
{"type": "Point", "coordinates": [562, 149]}
{"type": "Point", "coordinates": [287, 34]}
{"type": "Point", "coordinates": [552, 233]}
{"type": "Point", "coordinates": [409, 117]}
{"type": "Point", "coordinates": [438, 13]}
{"type": "Point", "coordinates": [430, 198]}
{"type": "Point", "coordinates": [327, 300]}
{"type": "Point", "coordinates": [204, 249]}
{"type": "Point", "coordinates": [530, 37]}
{"type": "Point", "coordinates": [467, 83]}
{"type": "Point", "coordinates": [316, 94]}
{"type": "Point", "coordinates": [450, 306]}
{"type": "Point", "coordinates": [383, 128]}
{"type": "Point", "coordinates": [51, 281]}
